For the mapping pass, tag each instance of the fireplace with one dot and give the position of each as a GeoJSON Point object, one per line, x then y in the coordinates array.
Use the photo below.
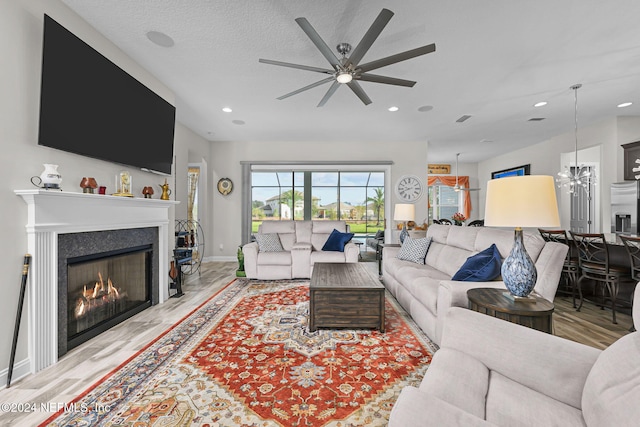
{"type": "Point", "coordinates": [104, 289]}
{"type": "Point", "coordinates": [104, 277]}
{"type": "Point", "coordinates": [62, 225]}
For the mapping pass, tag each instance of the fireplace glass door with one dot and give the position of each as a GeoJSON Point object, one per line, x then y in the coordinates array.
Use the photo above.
{"type": "Point", "coordinates": [104, 289]}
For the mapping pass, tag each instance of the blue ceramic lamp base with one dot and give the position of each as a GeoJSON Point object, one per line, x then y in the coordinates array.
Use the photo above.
{"type": "Point", "coordinates": [518, 270]}
{"type": "Point", "coordinates": [404, 233]}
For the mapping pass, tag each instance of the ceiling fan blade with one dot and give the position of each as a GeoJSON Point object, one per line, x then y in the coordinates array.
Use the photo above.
{"type": "Point", "coordinates": [329, 93]}
{"type": "Point", "coordinates": [311, 86]}
{"type": "Point", "coordinates": [386, 80]}
{"type": "Point", "coordinates": [300, 67]}
{"type": "Point", "coordinates": [357, 89]}
{"type": "Point", "coordinates": [398, 57]}
{"type": "Point", "coordinates": [317, 40]}
{"type": "Point", "coordinates": [371, 35]}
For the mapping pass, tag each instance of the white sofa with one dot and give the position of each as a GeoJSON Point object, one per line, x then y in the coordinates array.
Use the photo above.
{"type": "Point", "coordinates": [302, 242]}
{"type": "Point", "coordinates": [489, 372]}
{"type": "Point", "coordinates": [426, 291]}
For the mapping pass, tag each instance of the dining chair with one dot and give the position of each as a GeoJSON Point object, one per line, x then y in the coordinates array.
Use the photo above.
{"type": "Point", "coordinates": [445, 221]}
{"type": "Point", "coordinates": [476, 223]}
{"type": "Point", "coordinates": [593, 260]}
{"type": "Point", "coordinates": [570, 267]}
{"type": "Point", "coordinates": [632, 245]}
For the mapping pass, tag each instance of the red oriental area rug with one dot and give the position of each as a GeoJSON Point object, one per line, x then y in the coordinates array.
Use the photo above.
{"type": "Point", "coordinates": [247, 358]}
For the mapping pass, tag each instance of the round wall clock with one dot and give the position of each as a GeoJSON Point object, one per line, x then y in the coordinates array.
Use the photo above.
{"type": "Point", "coordinates": [225, 186]}
{"type": "Point", "coordinates": [409, 188]}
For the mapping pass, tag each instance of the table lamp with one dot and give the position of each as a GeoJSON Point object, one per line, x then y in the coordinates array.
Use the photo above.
{"type": "Point", "coordinates": [404, 212]}
{"type": "Point", "coordinates": [521, 201]}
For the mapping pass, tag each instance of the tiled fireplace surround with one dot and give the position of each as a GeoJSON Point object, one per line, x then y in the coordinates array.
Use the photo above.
{"type": "Point", "coordinates": [52, 213]}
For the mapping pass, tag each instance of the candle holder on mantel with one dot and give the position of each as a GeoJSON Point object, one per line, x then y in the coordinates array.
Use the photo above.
{"type": "Point", "coordinates": [147, 192]}
{"type": "Point", "coordinates": [123, 184]}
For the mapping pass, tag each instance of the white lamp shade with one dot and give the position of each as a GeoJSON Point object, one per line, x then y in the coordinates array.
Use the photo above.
{"type": "Point", "coordinates": [521, 201]}
{"type": "Point", "coordinates": [404, 212]}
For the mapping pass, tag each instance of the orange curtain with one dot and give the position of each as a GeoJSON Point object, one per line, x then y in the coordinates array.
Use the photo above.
{"type": "Point", "coordinates": [463, 181]}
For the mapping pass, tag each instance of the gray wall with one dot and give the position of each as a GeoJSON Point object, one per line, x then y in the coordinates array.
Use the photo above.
{"type": "Point", "coordinates": [21, 24]}
{"type": "Point", "coordinates": [598, 142]}
{"type": "Point", "coordinates": [407, 158]}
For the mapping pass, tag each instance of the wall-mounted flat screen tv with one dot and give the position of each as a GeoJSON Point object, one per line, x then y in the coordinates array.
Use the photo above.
{"type": "Point", "coordinates": [92, 107]}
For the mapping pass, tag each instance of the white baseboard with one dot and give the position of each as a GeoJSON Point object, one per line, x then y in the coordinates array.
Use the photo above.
{"type": "Point", "coordinates": [20, 370]}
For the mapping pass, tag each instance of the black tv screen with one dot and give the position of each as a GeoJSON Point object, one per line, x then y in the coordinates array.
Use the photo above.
{"type": "Point", "coordinates": [92, 107]}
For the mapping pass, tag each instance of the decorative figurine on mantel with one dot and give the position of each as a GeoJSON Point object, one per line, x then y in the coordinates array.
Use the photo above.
{"type": "Point", "coordinates": [147, 192]}
{"type": "Point", "coordinates": [123, 184]}
{"type": "Point", "coordinates": [49, 179]}
{"type": "Point", "coordinates": [166, 192]}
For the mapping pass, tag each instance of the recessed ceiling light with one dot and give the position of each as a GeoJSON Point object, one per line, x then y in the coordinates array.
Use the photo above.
{"type": "Point", "coordinates": [540, 104]}
{"type": "Point", "coordinates": [237, 122]}
{"type": "Point", "coordinates": [393, 108]}
{"type": "Point", "coordinates": [227, 110]}
{"type": "Point", "coordinates": [161, 39]}
{"type": "Point", "coordinates": [425, 108]}
{"type": "Point", "coordinates": [625, 104]}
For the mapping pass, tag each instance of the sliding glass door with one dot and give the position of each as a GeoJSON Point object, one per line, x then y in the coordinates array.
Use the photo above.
{"type": "Point", "coordinates": [356, 197]}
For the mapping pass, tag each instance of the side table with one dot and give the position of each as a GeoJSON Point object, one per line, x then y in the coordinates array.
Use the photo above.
{"type": "Point", "coordinates": [379, 248]}
{"type": "Point", "coordinates": [493, 302]}
{"type": "Point", "coordinates": [359, 245]}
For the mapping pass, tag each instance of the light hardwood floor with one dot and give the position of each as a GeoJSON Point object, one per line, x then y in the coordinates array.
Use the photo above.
{"type": "Point", "coordinates": [89, 362]}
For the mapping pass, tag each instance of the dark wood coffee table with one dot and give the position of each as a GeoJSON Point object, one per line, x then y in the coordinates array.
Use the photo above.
{"type": "Point", "coordinates": [493, 302]}
{"type": "Point", "coordinates": [345, 295]}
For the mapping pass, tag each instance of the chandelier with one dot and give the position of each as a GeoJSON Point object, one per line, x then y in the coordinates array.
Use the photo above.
{"type": "Point", "coordinates": [579, 176]}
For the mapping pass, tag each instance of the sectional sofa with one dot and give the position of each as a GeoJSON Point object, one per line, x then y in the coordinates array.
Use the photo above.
{"type": "Point", "coordinates": [489, 372]}
{"type": "Point", "coordinates": [302, 243]}
{"type": "Point", "coordinates": [426, 291]}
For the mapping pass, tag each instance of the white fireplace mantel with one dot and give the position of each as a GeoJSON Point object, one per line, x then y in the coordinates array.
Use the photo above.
{"type": "Point", "coordinates": [52, 212]}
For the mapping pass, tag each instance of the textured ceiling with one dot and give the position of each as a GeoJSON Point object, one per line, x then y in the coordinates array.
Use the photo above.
{"type": "Point", "coordinates": [494, 60]}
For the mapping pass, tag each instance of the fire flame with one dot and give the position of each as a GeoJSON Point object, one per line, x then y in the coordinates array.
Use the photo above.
{"type": "Point", "coordinates": [89, 297]}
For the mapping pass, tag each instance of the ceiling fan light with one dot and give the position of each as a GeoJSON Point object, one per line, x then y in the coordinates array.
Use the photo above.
{"type": "Point", "coordinates": [344, 77]}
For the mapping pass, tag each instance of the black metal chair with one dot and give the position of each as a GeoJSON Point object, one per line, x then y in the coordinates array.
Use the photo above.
{"type": "Point", "coordinates": [436, 221]}
{"type": "Point", "coordinates": [476, 223]}
{"type": "Point", "coordinates": [632, 245]}
{"type": "Point", "coordinates": [445, 221]}
{"type": "Point", "coordinates": [593, 253]}
{"type": "Point", "coordinates": [570, 267]}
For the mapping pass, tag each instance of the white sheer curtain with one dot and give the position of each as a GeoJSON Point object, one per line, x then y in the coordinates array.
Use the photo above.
{"type": "Point", "coordinates": [192, 200]}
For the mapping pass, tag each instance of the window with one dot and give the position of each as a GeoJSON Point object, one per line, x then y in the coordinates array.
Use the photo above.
{"type": "Point", "coordinates": [353, 196]}
{"type": "Point", "coordinates": [444, 201]}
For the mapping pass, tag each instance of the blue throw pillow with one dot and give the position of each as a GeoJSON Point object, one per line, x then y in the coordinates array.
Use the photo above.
{"type": "Point", "coordinates": [336, 241]}
{"type": "Point", "coordinates": [481, 267]}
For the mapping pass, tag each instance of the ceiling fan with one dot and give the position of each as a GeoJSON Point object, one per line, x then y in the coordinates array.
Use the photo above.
{"type": "Point", "coordinates": [457, 186]}
{"type": "Point", "coordinates": [347, 69]}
